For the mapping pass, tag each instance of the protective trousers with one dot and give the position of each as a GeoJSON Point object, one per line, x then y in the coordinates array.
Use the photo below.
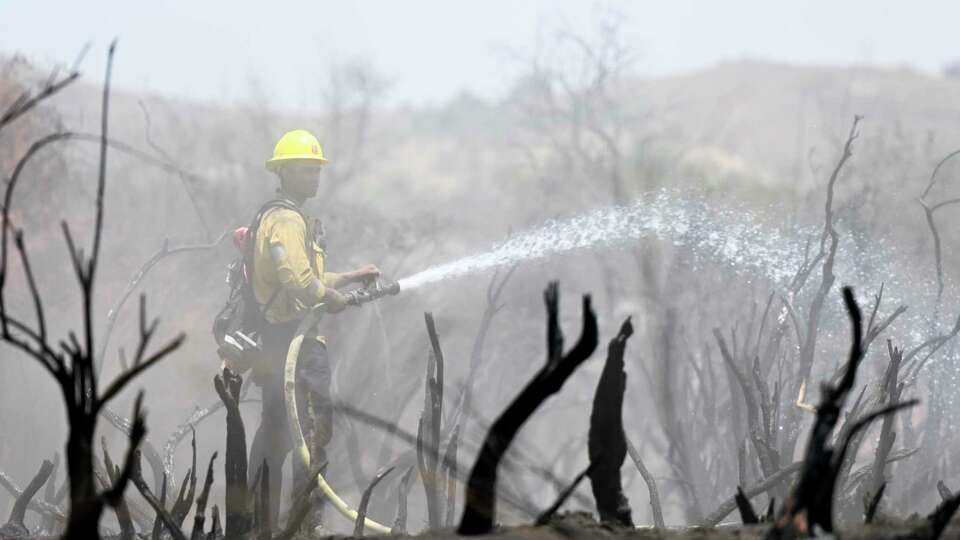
{"type": "Point", "coordinates": [272, 441]}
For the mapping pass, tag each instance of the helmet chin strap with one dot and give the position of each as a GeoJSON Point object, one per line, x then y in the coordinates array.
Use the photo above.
{"type": "Point", "coordinates": [296, 431]}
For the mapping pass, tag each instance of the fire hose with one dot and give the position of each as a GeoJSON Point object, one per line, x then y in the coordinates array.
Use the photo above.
{"type": "Point", "coordinates": [356, 297]}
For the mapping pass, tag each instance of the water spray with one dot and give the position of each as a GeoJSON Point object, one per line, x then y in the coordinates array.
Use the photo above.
{"type": "Point", "coordinates": [730, 235]}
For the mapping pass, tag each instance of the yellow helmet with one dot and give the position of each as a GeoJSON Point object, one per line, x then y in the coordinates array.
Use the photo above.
{"type": "Point", "coordinates": [296, 145]}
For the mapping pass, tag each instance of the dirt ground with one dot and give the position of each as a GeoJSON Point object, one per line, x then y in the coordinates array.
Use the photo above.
{"type": "Point", "coordinates": [577, 526]}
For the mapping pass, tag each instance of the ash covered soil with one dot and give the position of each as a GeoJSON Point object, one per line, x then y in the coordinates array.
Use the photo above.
{"type": "Point", "coordinates": [581, 525]}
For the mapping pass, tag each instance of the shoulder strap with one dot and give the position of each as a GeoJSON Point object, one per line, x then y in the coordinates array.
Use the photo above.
{"type": "Point", "coordinates": [254, 228]}
{"type": "Point", "coordinates": [270, 205]}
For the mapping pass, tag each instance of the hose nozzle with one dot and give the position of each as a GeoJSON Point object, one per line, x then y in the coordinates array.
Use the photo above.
{"type": "Point", "coordinates": [389, 287]}
{"type": "Point", "coordinates": [377, 289]}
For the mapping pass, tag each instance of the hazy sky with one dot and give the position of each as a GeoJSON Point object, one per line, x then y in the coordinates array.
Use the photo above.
{"type": "Point", "coordinates": [212, 49]}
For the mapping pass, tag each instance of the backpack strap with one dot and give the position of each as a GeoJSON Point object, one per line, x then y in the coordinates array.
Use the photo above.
{"type": "Point", "coordinates": [270, 205]}
{"type": "Point", "coordinates": [254, 229]}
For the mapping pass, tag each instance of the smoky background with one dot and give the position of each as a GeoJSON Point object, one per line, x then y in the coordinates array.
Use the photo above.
{"type": "Point", "coordinates": [412, 186]}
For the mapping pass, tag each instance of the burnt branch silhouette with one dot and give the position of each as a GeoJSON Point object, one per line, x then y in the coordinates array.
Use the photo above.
{"type": "Point", "coordinates": [480, 500]}
{"type": "Point", "coordinates": [607, 444]}
{"type": "Point", "coordinates": [72, 361]}
{"type": "Point", "coordinates": [929, 209]}
{"type": "Point", "coordinates": [28, 99]}
{"type": "Point", "coordinates": [810, 504]}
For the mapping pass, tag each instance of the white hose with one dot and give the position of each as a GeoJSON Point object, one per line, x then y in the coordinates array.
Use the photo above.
{"type": "Point", "coordinates": [296, 432]}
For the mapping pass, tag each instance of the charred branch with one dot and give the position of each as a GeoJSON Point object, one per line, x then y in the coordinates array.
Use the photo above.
{"type": "Point", "coordinates": [771, 510]}
{"type": "Point", "coordinates": [731, 504]}
{"type": "Point", "coordinates": [164, 251]}
{"type": "Point", "coordinates": [147, 450]}
{"type": "Point", "coordinates": [188, 426]}
{"type": "Point", "coordinates": [512, 499]}
{"type": "Point", "coordinates": [365, 501]}
{"type": "Point", "coordinates": [829, 241]}
{"type": "Point", "coordinates": [548, 514]}
{"type": "Point", "coordinates": [607, 443]}
{"type": "Point", "coordinates": [839, 461]}
{"type": "Point", "coordinates": [873, 504]}
{"type": "Point", "coordinates": [163, 516]}
{"type": "Point", "coordinates": [157, 531]}
{"type": "Point", "coordinates": [14, 526]}
{"type": "Point", "coordinates": [747, 514]}
{"type": "Point", "coordinates": [755, 425]}
{"type": "Point", "coordinates": [185, 498]}
{"type": "Point", "coordinates": [200, 515]}
{"type": "Point", "coordinates": [890, 393]}
{"type": "Point", "coordinates": [913, 362]}
{"type": "Point", "coordinates": [216, 531]}
{"type": "Point", "coordinates": [929, 209]}
{"type": "Point", "coordinates": [480, 505]}
{"type": "Point", "coordinates": [937, 521]}
{"type": "Point", "coordinates": [406, 482]}
{"type": "Point", "coordinates": [301, 509]}
{"type": "Point", "coordinates": [127, 530]}
{"type": "Point", "coordinates": [944, 491]}
{"type": "Point", "coordinates": [875, 328]}
{"type": "Point", "coordinates": [42, 507]}
{"type": "Point", "coordinates": [651, 482]}
{"type": "Point", "coordinates": [48, 523]}
{"type": "Point", "coordinates": [54, 84]}
{"type": "Point", "coordinates": [237, 500]}
{"type": "Point", "coordinates": [450, 465]}
{"type": "Point", "coordinates": [428, 433]}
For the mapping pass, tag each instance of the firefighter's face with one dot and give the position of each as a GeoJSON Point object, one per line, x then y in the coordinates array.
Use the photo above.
{"type": "Point", "coordinates": [301, 179]}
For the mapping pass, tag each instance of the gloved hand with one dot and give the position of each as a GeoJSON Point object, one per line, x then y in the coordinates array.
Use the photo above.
{"type": "Point", "coordinates": [365, 273]}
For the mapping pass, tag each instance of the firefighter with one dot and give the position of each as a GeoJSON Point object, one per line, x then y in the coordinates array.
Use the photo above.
{"type": "Point", "coordinates": [289, 278]}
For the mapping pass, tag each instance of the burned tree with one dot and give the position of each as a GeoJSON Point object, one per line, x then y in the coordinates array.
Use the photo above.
{"type": "Point", "coordinates": [72, 362]}
{"type": "Point", "coordinates": [811, 503]}
{"type": "Point", "coordinates": [238, 498]}
{"type": "Point", "coordinates": [607, 444]}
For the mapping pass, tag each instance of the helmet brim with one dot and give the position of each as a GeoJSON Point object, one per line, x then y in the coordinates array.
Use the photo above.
{"type": "Point", "coordinates": [274, 163]}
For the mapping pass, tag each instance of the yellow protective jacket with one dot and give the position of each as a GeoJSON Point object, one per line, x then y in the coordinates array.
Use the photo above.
{"type": "Point", "coordinates": [288, 265]}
